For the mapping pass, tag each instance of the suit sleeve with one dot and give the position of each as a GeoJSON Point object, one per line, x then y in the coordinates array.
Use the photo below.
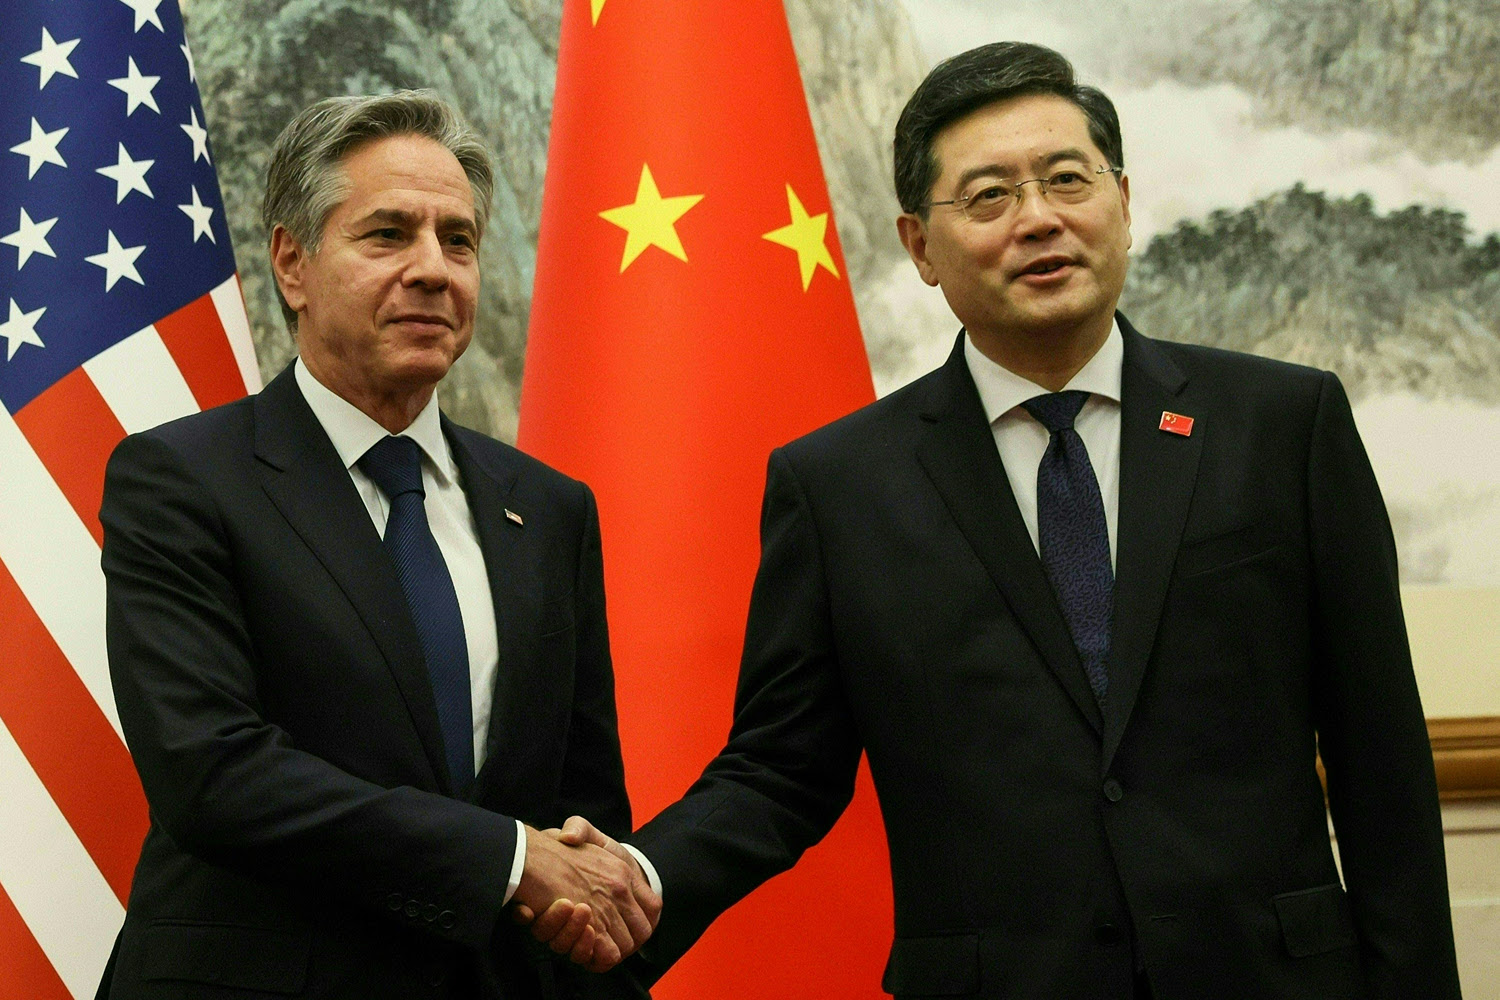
{"type": "Point", "coordinates": [1371, 730]}
{"type": "Point", "coordinates": [593, 772]}
{"type": "Point", "coordinates": [593, 779]}
{"type": "Point", "coordinates": [788, 769]}
{"type": "Point", "coordinates": [224, 783]}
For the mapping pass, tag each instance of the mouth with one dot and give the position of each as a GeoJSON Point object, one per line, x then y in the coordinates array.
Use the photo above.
{"type": "Point", "coordinates": [1046, 266]}
{"type": "Point", "coordinates": [422, 319]}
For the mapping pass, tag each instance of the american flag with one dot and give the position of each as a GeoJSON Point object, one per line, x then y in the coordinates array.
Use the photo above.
{"type": "Point", "coordinates": [119, 309]}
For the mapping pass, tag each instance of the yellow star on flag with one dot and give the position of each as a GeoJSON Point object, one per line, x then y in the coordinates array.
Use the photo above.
{"type": "Point", "coordinates": [805, 235]}
{"type": "Point", "coordinates": [598, 8]}
{"type": "Point", "coordinates": [651, 220]}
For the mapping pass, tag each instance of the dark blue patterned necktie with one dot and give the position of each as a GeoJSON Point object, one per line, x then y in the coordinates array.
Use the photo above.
{"type": "Point", "coordinates": [1072, 532]}
{"type": "Point", "coordinates": [395, 465]}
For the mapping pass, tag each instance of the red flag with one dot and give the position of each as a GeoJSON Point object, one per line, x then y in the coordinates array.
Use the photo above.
{"type": "Point", "coordinates": [1176, 423]}
{"type": "Point", "coordinates": [692, 312]}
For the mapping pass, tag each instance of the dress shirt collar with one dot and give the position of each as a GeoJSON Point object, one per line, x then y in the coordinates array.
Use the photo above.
{"type": "Point", "coordinates": [352, 431]}
{"type": "Point", "coordinates": [1002, 390]}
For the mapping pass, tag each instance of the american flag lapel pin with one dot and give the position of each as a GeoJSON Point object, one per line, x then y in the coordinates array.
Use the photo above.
{"type": "Point", "coordinates": [1176, 423]}
{"type": "Point", "coordinates": [514, 516]}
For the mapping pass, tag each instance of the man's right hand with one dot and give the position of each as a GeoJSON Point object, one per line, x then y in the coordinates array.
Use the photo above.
{"type": "Point", "coordinates": [584, 901]}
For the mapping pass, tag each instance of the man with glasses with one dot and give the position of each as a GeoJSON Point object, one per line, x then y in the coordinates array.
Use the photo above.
{"type": "Point", "coordinates": [1092, 604]}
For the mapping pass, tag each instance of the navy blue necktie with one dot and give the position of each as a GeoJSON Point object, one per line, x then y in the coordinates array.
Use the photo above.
{"type": "Point", "coordinates": [1073, 535]}
{"type": "Point", "coordinates": [395, 465]}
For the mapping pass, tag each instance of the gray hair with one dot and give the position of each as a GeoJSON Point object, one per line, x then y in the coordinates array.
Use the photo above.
{"type": "Point", "coordinates": [306, 181]}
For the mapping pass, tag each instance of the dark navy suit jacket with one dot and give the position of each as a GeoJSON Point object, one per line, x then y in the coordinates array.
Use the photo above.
{"type": "Point", "coordinates": [304, 839]}
{"type": "Point", "coordinates": [1041, 847]}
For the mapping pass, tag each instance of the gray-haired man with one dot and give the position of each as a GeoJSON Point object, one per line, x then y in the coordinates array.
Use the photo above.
{"type": "Point", "coordinates": [356, 648]}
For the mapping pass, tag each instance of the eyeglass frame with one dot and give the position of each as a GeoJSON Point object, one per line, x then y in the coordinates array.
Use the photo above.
{"type": "Point", "coordinates": [1041, 182]}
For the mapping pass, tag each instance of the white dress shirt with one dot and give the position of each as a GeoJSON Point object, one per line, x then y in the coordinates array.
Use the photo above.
{"type": "Point", "coordinates": [1022, 440]}
{"type": "Point", "coordinates": [353, 432]}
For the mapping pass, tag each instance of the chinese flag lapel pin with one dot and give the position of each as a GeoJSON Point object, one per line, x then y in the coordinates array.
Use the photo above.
{"type": "Point", "coordinates": [1176, 423]}
{"type": "Point", "coordinates": [517, 517]}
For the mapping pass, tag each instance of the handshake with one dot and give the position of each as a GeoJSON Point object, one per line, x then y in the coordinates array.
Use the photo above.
{"type": "Point", "coordinates": [584, 895]}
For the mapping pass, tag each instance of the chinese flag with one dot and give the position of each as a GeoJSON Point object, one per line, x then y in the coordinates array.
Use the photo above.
{"type": "Point", "coordinates": [692, 312]}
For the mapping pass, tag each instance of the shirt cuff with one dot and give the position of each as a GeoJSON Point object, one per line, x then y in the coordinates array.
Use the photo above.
{"type": "Point", "coordinates": [517, 866]}
{"type": "Point", "coordinates": [646, 867]}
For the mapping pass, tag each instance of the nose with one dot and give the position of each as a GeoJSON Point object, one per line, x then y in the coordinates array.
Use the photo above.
{"type": "Point", "coordinates": [1034, 217]}
{"type": "Point", "coordinates": [427, 265]}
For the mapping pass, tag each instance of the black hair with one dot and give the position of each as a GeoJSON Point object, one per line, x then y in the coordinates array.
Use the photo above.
{"type": "Point", "coordinates": [979, 77]}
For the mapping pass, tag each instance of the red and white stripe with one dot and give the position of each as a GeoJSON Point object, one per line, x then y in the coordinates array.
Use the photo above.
{"type": "Point", "coordinates": [74, 815]}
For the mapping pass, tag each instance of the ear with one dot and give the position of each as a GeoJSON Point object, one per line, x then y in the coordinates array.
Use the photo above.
{"type": "Point", "coordinates": [1125, 207]}
{"type": "Point", "coordinates": [912, 229]}
{"type": "Point", "coordinates": [288, 258]}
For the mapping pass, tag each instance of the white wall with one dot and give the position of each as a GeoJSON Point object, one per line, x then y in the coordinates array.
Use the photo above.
{"type": "Point", "coordinates": [1473, 842]}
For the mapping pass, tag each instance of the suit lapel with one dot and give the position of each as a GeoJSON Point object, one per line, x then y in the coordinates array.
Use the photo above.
{"type": "Point", "coordinates": [489, 485]}
{"type": "Point", "coordinates": [302, 474]}
{"type": "Point", "coordinates": [1158, 471]}
{"type": "Point", "coordinates": [957, 451]}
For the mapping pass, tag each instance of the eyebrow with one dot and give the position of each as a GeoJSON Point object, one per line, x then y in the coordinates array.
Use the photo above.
{"type": "Point", "coordinates": [399, 217]}
{"type": "Point", "coordinates": [996, 170]}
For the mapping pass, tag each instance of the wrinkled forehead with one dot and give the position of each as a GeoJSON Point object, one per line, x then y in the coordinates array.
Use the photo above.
{"type": "Point", "coordinates": [407, 173]}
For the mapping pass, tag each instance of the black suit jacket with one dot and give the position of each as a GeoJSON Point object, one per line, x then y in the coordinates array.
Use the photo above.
{"type": "Point", "coordinates": [272, 690]}
{"type": "Point", "coordinates": [1040, 847]}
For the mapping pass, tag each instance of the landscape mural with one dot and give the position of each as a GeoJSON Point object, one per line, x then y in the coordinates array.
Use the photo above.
{"type": "Point", "coordinates": [1317, 181]}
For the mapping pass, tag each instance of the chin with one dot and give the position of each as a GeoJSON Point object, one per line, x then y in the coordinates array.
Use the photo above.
{"type": "Point", "coordinates": [1046, 321]}
{"type": "Point", "coordinates": [1061, 314]}
{"type": "Point", "coordinates": [427, 369]}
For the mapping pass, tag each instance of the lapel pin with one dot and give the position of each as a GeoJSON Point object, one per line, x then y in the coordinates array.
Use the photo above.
{"type": "Point", "coordinates": [517, 517]}
{"type": "Point", "coordinates": [1175, 423]}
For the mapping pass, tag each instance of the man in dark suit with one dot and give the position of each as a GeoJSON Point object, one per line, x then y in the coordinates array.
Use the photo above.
{"type": "Point", "coordinates": [1092, 604]}
{"type": "Point", "coordinates": [357, 648]}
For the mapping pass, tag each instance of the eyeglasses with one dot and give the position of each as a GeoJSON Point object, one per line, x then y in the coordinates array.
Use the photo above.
{"type": "Point", "coordinates": [1068, 185]}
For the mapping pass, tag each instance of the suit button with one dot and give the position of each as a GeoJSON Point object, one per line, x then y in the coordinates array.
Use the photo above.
{"type": "Point", "coordinates": [395, 901]}
{"type": "Point", "coordinates": [1112, 790]}
{"type": "Point", "coordinates": [447, 919]}
{"type": "Point", "coordinates": [1108, 935]}
{"type": "Point", "coordinates": [435, 975]}
{"type": "Point", "coordinates": [413, 908]}
{"type": "Point", "coordinates": [430, 912]}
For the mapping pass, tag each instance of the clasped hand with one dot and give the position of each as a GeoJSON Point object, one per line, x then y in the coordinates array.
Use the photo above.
{"type": "Point", "coordinates": [584, 895]}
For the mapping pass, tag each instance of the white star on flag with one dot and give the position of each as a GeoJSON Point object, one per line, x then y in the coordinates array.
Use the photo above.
{"type": "Point", "coordinates": [118, 262]}
{"type": "Point", "coordinates": [137, 88]}
{"type": "Point", "coordinates": [145, 13]}
{"type": "Point", "coordinates": [129, 175]}
{"type": "Point", "coordinates": [199, 135]}
{"type": "Point", "coordinates": [20, 329]}
{"type": "Point", "coordinates": [52, 58]}
{"type": "Point", "coordinates": [99, 337]}
{"type": "Point", "coordinates": [200, 214]}
{"type": "Point", "coordinates": [31, 238]}
{"type": "Point", "coordinates": [41, 148]}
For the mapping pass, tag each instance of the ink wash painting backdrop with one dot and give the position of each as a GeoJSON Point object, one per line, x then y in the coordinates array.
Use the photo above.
{"type": "Point", "coordinates": [1317, 181]}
